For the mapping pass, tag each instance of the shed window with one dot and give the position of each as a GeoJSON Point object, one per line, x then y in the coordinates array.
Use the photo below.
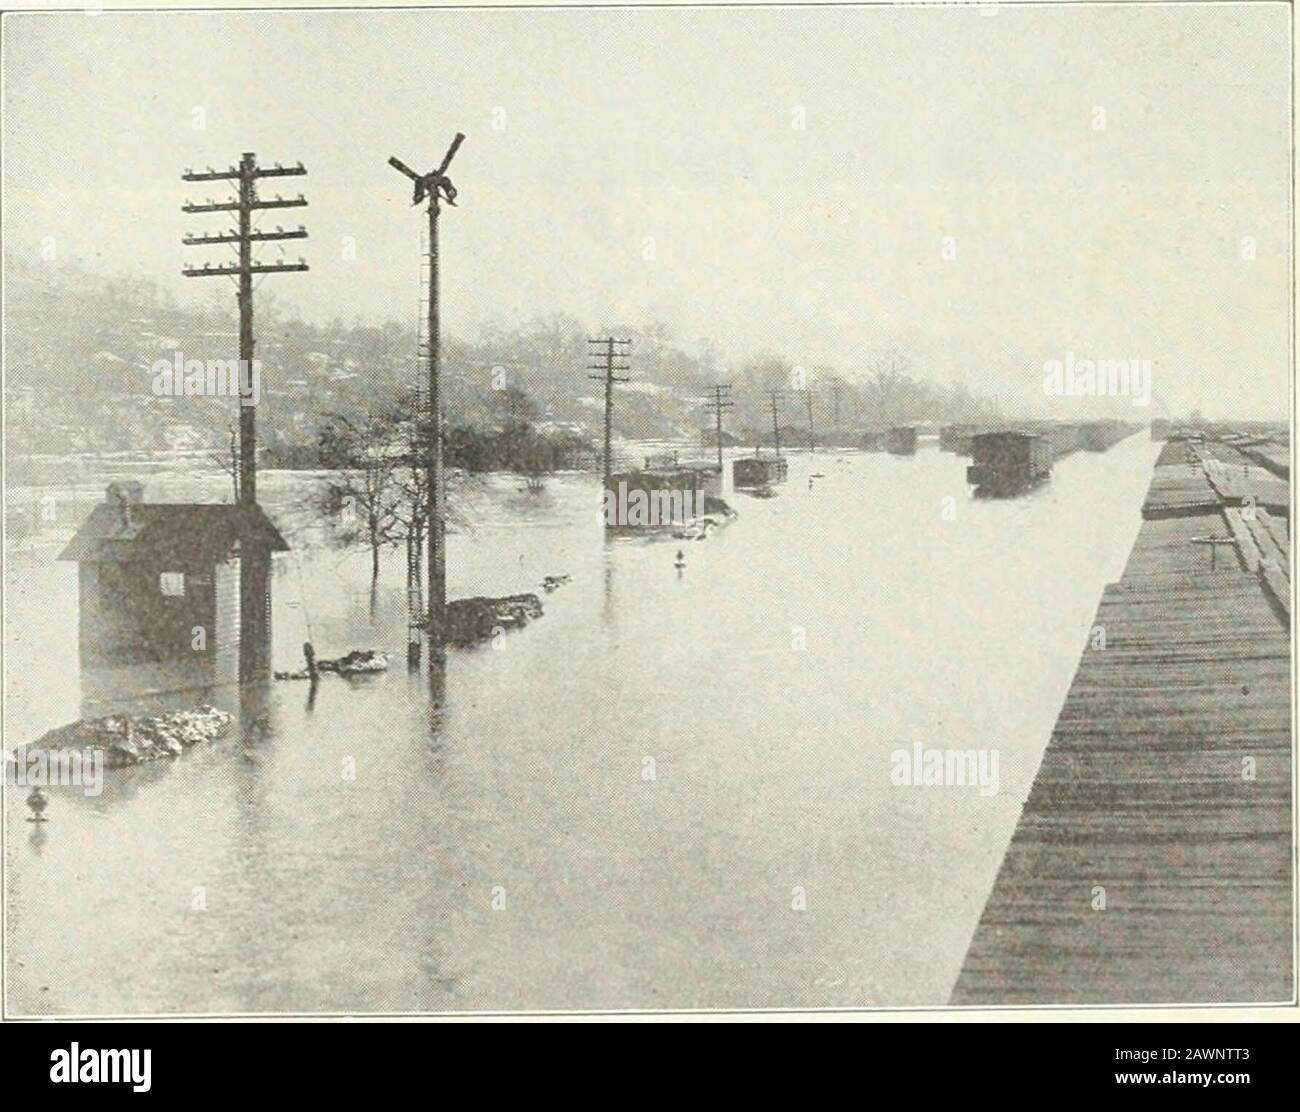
{"type": "Point", "coordinates": [172, 583]}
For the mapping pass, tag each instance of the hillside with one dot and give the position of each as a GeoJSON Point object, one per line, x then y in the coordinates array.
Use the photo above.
{"type": "Point", "coordinates": [81, 351]}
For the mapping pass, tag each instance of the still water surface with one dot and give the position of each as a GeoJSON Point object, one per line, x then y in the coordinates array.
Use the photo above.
{"type": "Point", "coordinates": [768, 683]}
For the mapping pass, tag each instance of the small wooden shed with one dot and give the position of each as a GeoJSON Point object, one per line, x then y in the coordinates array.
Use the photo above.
{"type": "Point", "coordinates": [161, 581]}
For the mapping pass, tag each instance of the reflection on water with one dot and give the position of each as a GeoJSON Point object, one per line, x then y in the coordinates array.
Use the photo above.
{"type": "Point", "coordinates": [614, 808]}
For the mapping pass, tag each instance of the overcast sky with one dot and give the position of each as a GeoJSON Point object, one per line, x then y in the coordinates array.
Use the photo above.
{"type": "Point", "coordinates": [649, 166]}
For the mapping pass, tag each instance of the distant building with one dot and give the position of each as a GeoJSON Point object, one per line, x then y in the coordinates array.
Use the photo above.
{"type": "Point", "coordinates": [709, 438]}
{"type": "Point", "coordinates": [901, 440]}
{"type": "Point", "coordinates": [703, 475]}
{"type": "Point", "coordinates": [709, 473]}
{"type": "Point", "coordinates": [758, 471]}
{"type": "Point", "coordinates": [874, 440]}
{"type": "Point", "coordinates": [160, 582]}
{"type": "Point", "coordinates": [654, 498]}
{"type": "Point", "coordinates": [661, 461]}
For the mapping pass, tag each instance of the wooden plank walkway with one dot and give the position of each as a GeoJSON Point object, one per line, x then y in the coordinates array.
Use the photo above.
{"type": "Point", "coordinates": [1272, 456]}
{"type": "Point", "coordinates": [1193, 478]}
{"type": "Point", "coordinates": [1167, 784]}
{"type": "Point", "coordinates": [1166, 547]}
{"type": "Point", "coordinates": [1236, 485]}
{"type": "Point", "coordinates": [1180, 490]}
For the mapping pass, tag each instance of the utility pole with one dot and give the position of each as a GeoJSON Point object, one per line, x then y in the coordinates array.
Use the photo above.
{"type": "Point", "coordinates": [775, 398]}
{"type": "Point", "coordinates": [721, 401]}
{"type": "Point", "coordinates": [243, 237]}
{"type": "Point", "coordinates": [254, 655]}
{"type": "Point", "coordinates": [609, 356]}
{"type": "Point", "coordinates": [812, 437]}
{"type": "Point", "coordinates": [437, 187]}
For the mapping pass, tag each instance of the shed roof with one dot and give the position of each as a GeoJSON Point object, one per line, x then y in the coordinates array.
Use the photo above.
{"type": "Point", "coordinates": [1004, 434]}
{"type": "Point", "coordinates": [177, 533]}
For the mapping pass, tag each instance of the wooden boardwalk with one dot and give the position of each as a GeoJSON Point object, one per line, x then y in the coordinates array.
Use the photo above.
{"type": "Point", "coordinates": [1180, 491]}
{"type": "Point", "coordinates": [1197, 478]}
{"type": "Point", "coordinates": [1274, 457]}
{"type": "Point", "coordinates": [1165, 788]}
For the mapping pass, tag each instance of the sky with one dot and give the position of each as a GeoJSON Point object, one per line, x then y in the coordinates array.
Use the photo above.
{"type": "Point", "coordinates": [988, 188]}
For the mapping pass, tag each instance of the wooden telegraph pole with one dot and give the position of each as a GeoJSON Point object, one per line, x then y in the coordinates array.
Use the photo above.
{"type": "Point", "coordinates": [254, 659]}
{"type": "Point", "coordinates": [775, 398]}
{"type": "Point", "coordinates": [721, 400]}
{"type": "Point", "coordinates": [609, 356]}
{"type": "Point", "coordinates": [437, 187]}
{"type": "Point", "coordinates": [812, 436]}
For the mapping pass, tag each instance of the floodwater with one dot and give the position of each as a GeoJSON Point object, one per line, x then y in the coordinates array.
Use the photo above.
{"type": "Point", "coordinates": [672, 791]}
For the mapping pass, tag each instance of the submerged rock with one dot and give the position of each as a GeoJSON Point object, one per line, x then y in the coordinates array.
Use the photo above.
{"type": "Point", "coordinates": [128, 739]}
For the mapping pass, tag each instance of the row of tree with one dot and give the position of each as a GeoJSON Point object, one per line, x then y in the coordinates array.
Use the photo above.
{"type": "Point", "coordinates": [375, 491]}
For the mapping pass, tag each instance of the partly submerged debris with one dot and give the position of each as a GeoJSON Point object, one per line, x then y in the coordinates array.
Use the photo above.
{"type": "Point", "coordinates": [552, 581]}
{"type": "Point", "coordinates": [357, 662]}
{"type": "Point", "coordinates": [714, 505]}
{"type": "Point", "coordinates": [696, 530]}
{"type": "Point", "coordinates": [478, 619]}
{"type": "Point", "coordinates": [127, 739]}
{"type": "Point", "coordinates": [468, 620]}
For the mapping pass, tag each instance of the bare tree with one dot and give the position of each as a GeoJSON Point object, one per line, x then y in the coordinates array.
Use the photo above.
{"type": "Point", "coordinates": [361, 495]}
{"type": "Point", "coordinates": [888, 384]}
{"type": "Point", "coordinates": [228, 461]}
{"type": "Point", "coordinates": [411, 502]}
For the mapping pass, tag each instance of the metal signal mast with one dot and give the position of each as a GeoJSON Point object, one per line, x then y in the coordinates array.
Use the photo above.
{"type": "Point", "coordinates": [436, 187]}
